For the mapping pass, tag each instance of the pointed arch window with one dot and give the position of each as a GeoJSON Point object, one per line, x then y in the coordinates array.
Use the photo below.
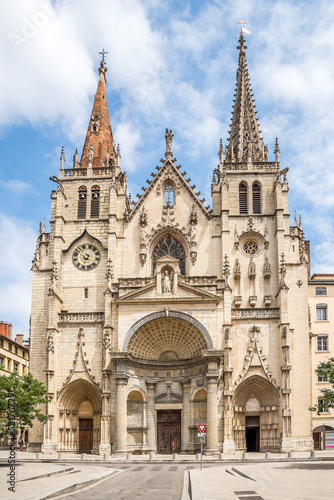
{"type": "Point", "coordinates": [95, 203]}
{"type": "Point", "coordinates": [168, 245]}
{"type": "Point", "coordinates": [243, 206]}
{"type": "Point", "coordinates": [82, 202]}
{"type": "Point", "coordinates": [169, 196]}
{"type": "Point", "coordinates": [256, 198]}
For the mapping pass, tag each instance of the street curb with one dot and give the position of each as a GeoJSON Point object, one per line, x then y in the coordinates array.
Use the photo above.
{"type": "Point", "coordinates": [55, 473]}
{"type": "Point", "coordinates": [186, 486]}
{"type": "Point", "coordinates": [74, 487]}
{"type": "Point", "coordinates": [195, 489]}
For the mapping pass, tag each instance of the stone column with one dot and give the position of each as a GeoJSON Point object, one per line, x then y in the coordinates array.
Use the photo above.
{"type": "Point", "coordinates": [212, 408]}
{"type": "Point", "coordinates": [121, 414]}
{"type": "Point", "coordinates": [150, 416]}
{"type": "Point", "coordinates": [186, 417]}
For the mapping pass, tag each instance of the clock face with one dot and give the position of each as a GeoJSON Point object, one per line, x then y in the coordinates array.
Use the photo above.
{"type": "Point", "coordinates": [86, 257]}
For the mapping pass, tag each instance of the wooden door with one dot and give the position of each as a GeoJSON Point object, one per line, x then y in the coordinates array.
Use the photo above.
{"type": "Point", "coordinates": [85, 435]}
{"type": "Point", "coordinates": [169, 431]}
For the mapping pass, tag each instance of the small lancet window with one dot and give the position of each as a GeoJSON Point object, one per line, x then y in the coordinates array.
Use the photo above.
{"type": "Point", "coordinates": [256, 199]}
{"type": "Point", "coordinates": [169, 196]}
{"type": "Point", "coordinates": [82, 202]}
{"type": "Point", "coordinates": [95, 203]}
{"type": "Point", "coordinates": [243, 208]}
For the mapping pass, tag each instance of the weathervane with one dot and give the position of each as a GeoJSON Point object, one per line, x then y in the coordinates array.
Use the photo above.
{"type": "Point", "coordinates": [103, 52]}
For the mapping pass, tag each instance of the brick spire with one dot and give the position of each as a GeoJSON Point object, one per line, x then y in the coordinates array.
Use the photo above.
{"type": "Point", "coordinates": [244, 136]}
{"type": "Point", "coordinates": [99, 134]}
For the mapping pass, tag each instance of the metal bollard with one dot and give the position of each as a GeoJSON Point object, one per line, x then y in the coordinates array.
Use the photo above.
{"type": "Point", "coordinates": [128, 457]}
{"type": "Point", "coordinates": [175, 456]}
{"type": "Point", "coordinates": [267, 454]}
{"type": "Point", "coordinates": [152, 455]}
{"type": "Point", "coordinates": [221, 456]}
{"type": "Point", "coordinates": [244, 455]}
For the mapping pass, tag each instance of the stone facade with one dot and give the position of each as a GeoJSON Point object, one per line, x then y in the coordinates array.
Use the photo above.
{"type": "Point", "coordinates": [153, 316]}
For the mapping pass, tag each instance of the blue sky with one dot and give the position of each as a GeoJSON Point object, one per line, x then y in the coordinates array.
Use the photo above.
{"type": "Point", "coordinates": [170, 64]}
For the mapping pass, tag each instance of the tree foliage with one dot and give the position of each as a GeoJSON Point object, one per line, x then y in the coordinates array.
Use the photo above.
{"type": "Point", "coordinates": [325, 369]}
{"type": "Point", "coordinates": [19, 400]}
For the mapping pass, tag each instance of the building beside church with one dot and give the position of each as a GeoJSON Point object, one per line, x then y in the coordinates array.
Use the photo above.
{"type": "Point", "coordinates": [321, 303]}
{"type": "Point", "coordinates": [149, 318]}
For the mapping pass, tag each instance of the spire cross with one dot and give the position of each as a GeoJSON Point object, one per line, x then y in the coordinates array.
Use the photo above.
{"type": "Point", "coordinates": [103, 52]}
{"type": "Point", "coordinates": [241, 22]}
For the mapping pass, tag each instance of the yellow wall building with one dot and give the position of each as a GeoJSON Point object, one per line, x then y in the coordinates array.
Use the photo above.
{"type": "Point", "coordinates": [321, 309]}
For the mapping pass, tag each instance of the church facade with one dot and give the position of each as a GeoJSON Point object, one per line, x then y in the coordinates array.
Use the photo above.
{"type": "Point", "coordinates": [149, 318]}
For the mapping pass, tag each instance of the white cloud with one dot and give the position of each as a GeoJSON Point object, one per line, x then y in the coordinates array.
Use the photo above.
{"type": "Point", "coordinates": [16, 254]}
{"type": "Point", "coordinates": [15, 186]}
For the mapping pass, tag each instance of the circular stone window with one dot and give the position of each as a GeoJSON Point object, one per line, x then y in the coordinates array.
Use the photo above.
{"type": "Point", "coordinates": [251, 248]}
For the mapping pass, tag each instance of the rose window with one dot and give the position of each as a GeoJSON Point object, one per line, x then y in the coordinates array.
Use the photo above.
{"type": "Point", "coordinates": [251, 247]}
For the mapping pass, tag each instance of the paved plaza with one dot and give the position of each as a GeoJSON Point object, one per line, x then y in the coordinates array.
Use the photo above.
{"type": "Point", "coordinates": [251, 477]}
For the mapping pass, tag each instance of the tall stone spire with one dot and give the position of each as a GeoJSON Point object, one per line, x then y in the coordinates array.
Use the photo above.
{"type": "Point", "coordinates": [99, 134]}
{"type": "Point", "coordinates": [244, 135]}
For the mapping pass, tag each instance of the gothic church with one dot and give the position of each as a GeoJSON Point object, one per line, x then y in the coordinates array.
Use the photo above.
{"type": "Point", "coordinates": [149, 318]}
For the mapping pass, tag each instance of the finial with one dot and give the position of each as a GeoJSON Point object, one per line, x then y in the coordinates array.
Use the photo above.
{"type": "Point", "coordinates": [103, 53]}
{"type": "Point", "coordinates": [241, 22]}
{"type": "Point", "coordinates": [276, 150]}
{"type": "Point", "coordinates": [296, 220]}
{"type": "Point", "coordinates": [300, 223]}
{"type": "Point", "coordinates": [62, 157]}
{"type": "Point", "coordinates": [44, 225]}
{"type": "Point", "coordinates": [40, 229]}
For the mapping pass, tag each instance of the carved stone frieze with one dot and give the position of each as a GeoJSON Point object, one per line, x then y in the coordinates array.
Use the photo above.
{"type": "Point", "coordinates": [255, 313]}
{"type": "Point", "coordinates": [81, 317]}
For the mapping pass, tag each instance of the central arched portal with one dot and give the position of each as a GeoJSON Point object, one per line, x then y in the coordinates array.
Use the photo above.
{"type": "Point", "coordinates": [167, 357]}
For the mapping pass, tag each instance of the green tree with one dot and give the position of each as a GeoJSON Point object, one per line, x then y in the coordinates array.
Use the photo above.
{"type": "Point", "coordinates": [325, 369]}
{"type": "Point", "coordinates": [19, 400]}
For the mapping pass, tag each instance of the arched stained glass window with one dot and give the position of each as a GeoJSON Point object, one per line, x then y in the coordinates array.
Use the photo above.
{"type": "Point", "coordinates": [168, 245]}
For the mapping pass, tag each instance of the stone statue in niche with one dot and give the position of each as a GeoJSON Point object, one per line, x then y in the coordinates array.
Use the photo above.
{"type": "Point", "coordinates": [166, 282]}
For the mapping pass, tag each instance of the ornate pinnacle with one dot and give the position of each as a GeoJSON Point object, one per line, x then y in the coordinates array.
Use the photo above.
{"type": "Point", "coordinates": [296, 220]}
{"type": "Point", "coordinates": [276, 150]}
{"type": "Point", "coordinates": [62, 157]}
{"type": "Point", "coordinates": [282, 268]}
{"type": "Point", "coordinates": [226, 268]}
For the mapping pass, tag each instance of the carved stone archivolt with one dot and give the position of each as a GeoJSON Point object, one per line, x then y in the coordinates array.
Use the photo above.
{"type": "Point", "coordinates": [80, 363]}
{"type": "Point", "coordinates": [255, 357]}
